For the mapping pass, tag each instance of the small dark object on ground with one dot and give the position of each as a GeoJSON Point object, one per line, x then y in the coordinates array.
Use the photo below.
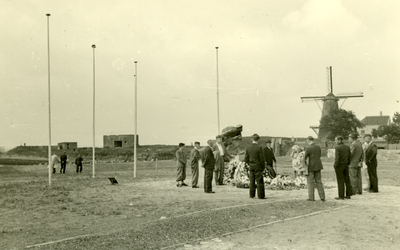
{"type": "Point", "coordinates": [113, 180]}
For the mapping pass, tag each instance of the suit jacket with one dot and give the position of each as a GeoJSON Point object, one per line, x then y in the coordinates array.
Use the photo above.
{"type": "Point", "coordinates": [255, 157]}
{"type": "Point", "coordinates": [370, 155]}
{"type": "Point", "coordinates": [313, 157]}
{"type": "Point", "coordinates": [181, 158]}
{"type": "Point", "coordinates": [208, 158]}
{"type": "Point", "coordinates": [342, 155]}
{"type": "Point", "coordinates": [269, 155]}
{"type": "Point", "coordinates": [63, 158]}
{"type": "Point", "coordinates": [194, 157]}
{"type": "Point", "coordinates": [217, 154]}
{"type": "Point", "coordinates": [356, 154]}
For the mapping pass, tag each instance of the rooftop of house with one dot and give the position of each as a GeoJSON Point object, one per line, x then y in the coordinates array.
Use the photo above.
{"type": "Point", "coordinates": [376, 120]}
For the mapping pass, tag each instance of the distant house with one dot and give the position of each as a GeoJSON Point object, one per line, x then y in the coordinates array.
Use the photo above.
{"type": "Point", "coordinates": [373, 122]}
{"type": "Point", "coordinates": [119, 141]}
{"type": "Point", "coordinates": [67, 145]}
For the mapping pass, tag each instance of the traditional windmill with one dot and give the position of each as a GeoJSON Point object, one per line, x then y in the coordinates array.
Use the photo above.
{"type": "Point", "coordinates": [330, 102]}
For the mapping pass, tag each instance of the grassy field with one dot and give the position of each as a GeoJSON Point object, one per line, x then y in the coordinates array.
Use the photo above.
{"type": "Point", "coordinates": [148, 212]}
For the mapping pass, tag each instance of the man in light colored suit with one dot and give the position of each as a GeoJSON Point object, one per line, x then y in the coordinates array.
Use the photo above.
{"type": "Point", "coordinates": [194, 163]}
{"type": "Point", "coordinates": [181, 171]}
{"type": "Point", "coordinates": [356, 158]}
{"type": "Point", "coordinates": [221, 155]}
{"type": "Point", "coordinates": [314, 164]}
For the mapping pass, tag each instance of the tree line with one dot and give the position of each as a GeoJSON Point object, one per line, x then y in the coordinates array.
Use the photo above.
{"type": "Point", "coordinates": [343, 122]}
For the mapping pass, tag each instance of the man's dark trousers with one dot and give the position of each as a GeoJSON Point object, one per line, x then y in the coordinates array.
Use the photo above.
{"type": "Point", "coordinates": [355, 179]}
{"type": "Point", "coordinates": [373, 177]}
{"type": "Point", "coordinates": [257, 177]}
{"type": "Point", "coordinates": [208, 176]}
{"type": "Point", "coordinates": [63, 165]}
{"type": "Point", "coordinates": [343, 179]}
{"type": "Point", "coordinates": [79, 167]}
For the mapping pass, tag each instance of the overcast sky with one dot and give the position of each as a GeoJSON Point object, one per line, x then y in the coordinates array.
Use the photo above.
{"type": "Point", "coordinates": [270, 54]}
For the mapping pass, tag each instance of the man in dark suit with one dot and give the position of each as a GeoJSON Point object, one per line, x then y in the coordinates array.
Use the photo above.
{"type": "Point", "coordinates": [356, 159]}
{"type": "Point", "coordinates": [372, 163]}
{"type": "Point", "coordinates": [208, 163]}
{"type": "Point", "coordinates": [313, 160]}
{"type": "Point", "coordinates": [269, 157]}
{"type": "Point", "coordinates": [63, 159]}
{"type": "Point", "coordinates": [181, 168]}
{"type": "Point", "coordinates": [254, 157]}
{"type": "Point", "coordinates": [78, 162]}
{"type": "Point", "coordinates": [341, 165]}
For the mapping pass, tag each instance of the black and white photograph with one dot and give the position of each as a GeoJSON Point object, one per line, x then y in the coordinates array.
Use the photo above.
{"type": "Point", "coordinates": [200, 124]}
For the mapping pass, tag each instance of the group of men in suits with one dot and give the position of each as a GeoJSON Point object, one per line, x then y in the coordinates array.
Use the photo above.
{"type": "Point", "coordinates": [348, 163]}
{"type": "Point", "coordinates": [349, 160]}
{"type": "Point", "coordinates": [213, 158]}
{"type": "Point", "coordinates": [213, 161]}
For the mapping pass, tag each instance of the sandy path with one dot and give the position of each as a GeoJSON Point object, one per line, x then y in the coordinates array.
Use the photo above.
{"type": "Point", "coordinates": [371, 221]}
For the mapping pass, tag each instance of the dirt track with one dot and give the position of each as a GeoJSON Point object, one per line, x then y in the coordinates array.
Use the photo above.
{"type": "Point", "coordinates": [370, 221]}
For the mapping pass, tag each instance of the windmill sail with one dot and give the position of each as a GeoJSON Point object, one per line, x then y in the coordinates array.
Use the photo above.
{"type": "Point", "coordinates": [330, 102]}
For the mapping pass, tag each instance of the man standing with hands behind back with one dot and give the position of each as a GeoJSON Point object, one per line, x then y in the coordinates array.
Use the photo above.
{"type": "Point", "coordinates": [181, 158]}
{"type": "Point", "coordinates": [313, 159]}
{"type": "Point", "coordinates": [255, 159]}
{"type": "Point", "coordinates": [208, 164]}
{"type": "Point", "coordinates": [341, 165]}
{"type": "Point", "coordinates": [372, 163]}
{"type": "Point", "coordinates": [194, 163]}
{"type": "Point", "coordinates": [356, 159]}
{"type": "Point", "coordinates": [221, 154]}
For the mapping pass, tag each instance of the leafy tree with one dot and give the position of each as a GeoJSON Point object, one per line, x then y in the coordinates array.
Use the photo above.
{"type": "Point", "coordinates": [396, 118]}
{"type": "Point", "coordinates": [391, 133]}
{"type": "Point", "coordinates": [340, 122]}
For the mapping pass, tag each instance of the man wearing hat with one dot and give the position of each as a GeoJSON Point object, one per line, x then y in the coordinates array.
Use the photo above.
{"type": "Point", "coordinates": [341, 165]}
{"type": "Point", "coordinates": [194, 163]}
{"type": "Point", "coordinates": [254, 157]}
{"type": "Point", "coordinates": [181, 159]}
{"type": "Point", "coordinates": [269, 157]}
{"type": "Point", "coordinates": [356, 159]}
{"type": "Point", "coordinates": [313, 160]}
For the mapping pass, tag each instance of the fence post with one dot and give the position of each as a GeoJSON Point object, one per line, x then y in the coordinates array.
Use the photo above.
{"type": "Point", "coordinates": [156, 168]}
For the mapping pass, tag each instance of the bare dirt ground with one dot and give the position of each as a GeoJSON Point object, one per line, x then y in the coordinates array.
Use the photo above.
{"type": "Point", "coordinates": [369, 221]}
{"type": "Point", "coordinates": [150, 212]}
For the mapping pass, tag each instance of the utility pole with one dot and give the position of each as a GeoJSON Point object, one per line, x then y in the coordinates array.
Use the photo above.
{"type": "Point", "coordinates": [49, 99]}
{"type": "Point", "coordinates": [219, 131]}
{"type": "Point", "coordinates": [94, 111]}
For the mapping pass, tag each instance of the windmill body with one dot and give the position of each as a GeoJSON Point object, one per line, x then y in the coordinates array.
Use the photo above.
{"type": "Point", "coordinates": [330, 104]}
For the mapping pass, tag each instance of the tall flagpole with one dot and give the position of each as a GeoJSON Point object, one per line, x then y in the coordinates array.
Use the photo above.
{"type": "Point", "coordinates": [135, 138]}
{"type": "Point", "coordinates": [216, 49]}
{"type": "Point", "coordinates": [94, 105]}
{"type": "Point", "coordinates": [48, 75]}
